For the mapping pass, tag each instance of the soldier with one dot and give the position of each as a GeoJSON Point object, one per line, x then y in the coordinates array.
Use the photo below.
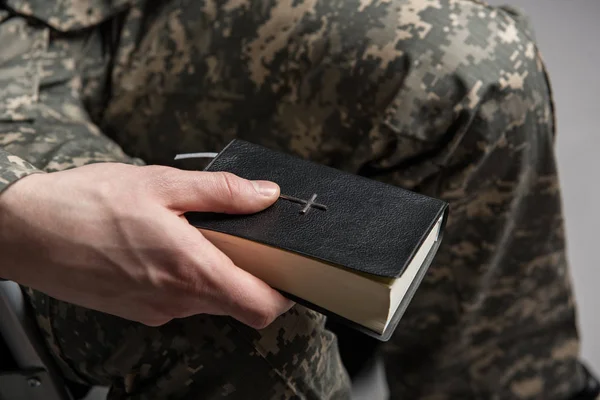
{"type": "Point", "coordinates": [448, 98]}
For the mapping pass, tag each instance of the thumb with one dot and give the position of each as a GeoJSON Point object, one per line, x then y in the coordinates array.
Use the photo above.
{"type": "Point", "coordinates": [220, 192]}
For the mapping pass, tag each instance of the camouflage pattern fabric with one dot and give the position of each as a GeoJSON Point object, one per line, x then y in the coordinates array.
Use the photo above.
{"type": "Point", "coordinates": [448, 98]}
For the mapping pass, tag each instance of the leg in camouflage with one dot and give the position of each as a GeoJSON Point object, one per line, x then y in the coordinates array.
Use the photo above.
{"type": "Point", "coordinates": [199, 357]}
{"type": "Point", "coordinates": [449, 98]}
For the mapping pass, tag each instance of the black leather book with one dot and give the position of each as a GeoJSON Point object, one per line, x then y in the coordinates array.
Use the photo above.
{"type": "Point", "coordinates": [352, 248]}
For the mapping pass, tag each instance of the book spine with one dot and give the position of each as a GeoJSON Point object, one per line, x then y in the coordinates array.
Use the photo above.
{"type": "Point", "coordinates": [207, 168]}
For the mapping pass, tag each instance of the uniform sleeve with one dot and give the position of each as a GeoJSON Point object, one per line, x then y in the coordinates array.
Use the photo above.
{"type": "Point", "coordinates": [13, 168]}
{"type": "Point", "coordinates": [44, 125]}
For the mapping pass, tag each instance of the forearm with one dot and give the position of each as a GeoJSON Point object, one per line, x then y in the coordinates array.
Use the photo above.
{"type": "Point", "coordinates": [44, 125]}
{"type": "Point", "coordinates": [48, 145]}
{"type": "Point", "coordinates": [12, 168]}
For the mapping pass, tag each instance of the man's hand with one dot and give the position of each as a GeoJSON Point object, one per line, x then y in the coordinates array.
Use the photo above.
{"type": "Point", "coordinates": [111, 237]}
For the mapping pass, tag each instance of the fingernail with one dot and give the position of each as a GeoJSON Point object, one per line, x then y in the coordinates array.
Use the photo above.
{"type": "Point", "coordinates": [266, 188]}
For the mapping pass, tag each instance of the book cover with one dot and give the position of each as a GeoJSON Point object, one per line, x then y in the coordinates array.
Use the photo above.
{"type": "Point", "coordinates": [333, 240]}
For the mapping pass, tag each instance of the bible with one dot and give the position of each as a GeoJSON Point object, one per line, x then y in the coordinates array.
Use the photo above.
{"type": "Point", "coordinates": [352, 248]}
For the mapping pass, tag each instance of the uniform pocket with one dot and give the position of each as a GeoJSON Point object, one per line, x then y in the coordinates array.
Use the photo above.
{"type": "Point", "coordinates": [21, 48]}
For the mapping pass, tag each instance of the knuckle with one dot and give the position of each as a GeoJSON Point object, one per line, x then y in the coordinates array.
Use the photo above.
{"type": "Point", "coordinates": [196, 286]}
{"type": "Point", "coordinates": [191, 288]}
{"type": "Point", "coordinates": [160, 179]}
{"type": "Point", "coordinates": [230, 184]}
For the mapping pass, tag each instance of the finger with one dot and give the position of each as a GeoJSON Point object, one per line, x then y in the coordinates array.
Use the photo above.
{"type": "Point", "coordinates": [253, 302]}
{"type": "Point", "coordinates": [221, 192]}
{"type": "Point", "coordinates": [240, 294]}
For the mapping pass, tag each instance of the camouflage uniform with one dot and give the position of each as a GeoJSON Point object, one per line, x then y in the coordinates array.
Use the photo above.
{"type": "Point", "coordinates": [448, 98]}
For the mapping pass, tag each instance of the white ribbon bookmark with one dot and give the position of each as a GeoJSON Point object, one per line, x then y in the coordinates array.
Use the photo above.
{"type": "Point", "coordinates": [195, 155]}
